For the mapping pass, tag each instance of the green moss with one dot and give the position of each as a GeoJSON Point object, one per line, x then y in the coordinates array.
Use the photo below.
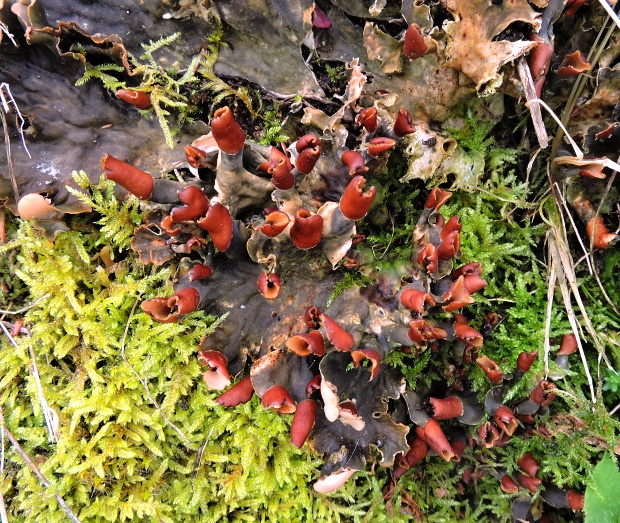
{"type": "Point", "coordinates": [272, 127]}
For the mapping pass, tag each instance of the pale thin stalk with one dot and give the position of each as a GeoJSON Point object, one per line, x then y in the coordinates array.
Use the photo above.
{"type": "Point", "coordinates": [530, 94]}
{"type": "Point", "coordinates": [8, 334]}
{"type": "Point", "coordinates": [572, 221]}
{"type": "Point", "coordinates": [610, 12]}
{"type": "Point", "coordinates": [559, 260]}
{"type": "Point", "coordinates": [578, 152]}
{"type": "Point", "coordinates": [3, 515]}
{"type": "Point", "coordinates": [24, 309]}
{"type": "Point", "coordinates": [4, 88]}
{"type": "Point", "coordinates": [19, 449]}
{"type": "Point", "coordinates": [552, 280]}
{"type": "Point", "coordinates": [528, 170]}
{"type": "Point", "coordinates": [4, 29]}
{"type": "Point", "coordinates": [50, 416]}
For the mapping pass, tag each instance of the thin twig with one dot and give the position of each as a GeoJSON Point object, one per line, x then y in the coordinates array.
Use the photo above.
{"type": "Point", "coordinates": [5, 30]}
{"type": "Point", "coordinates": [35, 469]}
{"type": "Point", "coordinates": [572, 221]}
{"type": "Point", "coordinates": [144, 382]}
{"type": "Point", "coordinates": [3, 515]}
{"type": "Point", "coordinates": [8, 334]}
{"type": "Point", "coordinates": [530, 94]}
{"type": "Point", "coordinates": [9, 162]}
{"type": "Point", "coordinates": [6, 98]}
{"type": "Point", "coordinates": [610, 12]}
{"type": "Point", "coordinates": [49, 414]}
{"type": "Point", "coordinates": [578, 151]}
{"type": "Point", "coordinates": [24, 309]}
{"type": "Point", "coordinates": [550, 292]}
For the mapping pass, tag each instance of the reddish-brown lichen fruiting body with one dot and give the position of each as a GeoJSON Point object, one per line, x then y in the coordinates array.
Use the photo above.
{"type": "Point", "coordinates": [469, 269]}
{"type": "Point", "coordinates": [437, 198]}
{"type": "Point", "coordinates": [280, 168]}
{"type": "Point", "coordinates": [450, 239]}
{"type": "Point", "coordinates": [269, 285]}
{"type": "Point", "coordinates": [575, 499]}
{"type": "Point", "coordinates": [340, 338]}
{"type": "Point", "coordinates": [303, 421]}
{"type": "Point", "coordinates": [528, 482]}
{"type": "Point", "coordinates": [525, 360]}
{"type": "Point", "coordinates": [306, 344]}
{"type": "Point", "coordinates": [433, 436]}
{"type": "Point", "coordinates": [508, 485]}
{"type": "Point", "coordinates": [307, 229]}
{"type": "Point", "coordinates": [200, 272]}
{"type": "Point", "coordinates": [196, 205]}
{"type": "Point", "coordinates": [312, 317]}
{"type": "Point", "coordinates": [544, 393]}
{"type": "Point", "coordinates": [239, 393]}
{"type": "Point", "coordinates": [217, 378]}
{"type": "Point", "coordinates": [309, 149]}
{"type": "Point", "coordinates": [420, 331]}
{"type": "Point", "coordinates": [593, 170]}
{"type": "Point", "coordinates": [313, 385]}
{"type": "Point", "coordinates": [375, 358]}
{"type": "Point", "coordinates": [427, 258]}
{"type": "Point", "coordinates": [138, 99]}
{"type": "Point", "coordinates": [354, 162]}
{"type": "Point", "coordinates": [539, 58]}
{"type": "Point", "coordinates": [574, 64]}
{"type": "Point", "coordinates": [488, 435]}
{"type": "Point", "coordinates": [505, 420]}
{"type": "Point", "coordinates": [403, 125]}
{"type": "Point", "coordinates": [367, 118]}
{"type": "Point", "coordinates": [193, 155]}
{"type": "Point", "coordinates": [354, 203]}
{"type": "Point", "coordinates": [278, 398]}
{"type": "Point", "coordinates": [446, 408]}
{"type": "Point", "coordinates": [226, 131]}
{"type": "Point", "coordinates": [491, 369]}
{"type": "Point", "coordinates": [167, 310]}
{"type": "Point", "coordinates": [275, 223]}
{"type": "Point", "coordinates": [378, 145]}
{"type": "Point", "coordinates": [528, 464]}
{"type": "Point", "coordinates": [219, 224]}
{"type": "Point", "coordinates": [474, 283]}
{"type": "Point", "coordinates": [131, 178]}
{"type": "Point", "coordinates": [414, 46]}
{"type": "Point", "coordinates": [168, 226]}
{"type": "Point", "coordinates": [468, 334]}
{"type": "Point", "coordinates": [416, 453]}
{"type": "Point", "coordinates": [415, 299]}
{"type": "Point", "coordinates": [599, 234]}
{"type": "Point", "coordinates": [569, 344]}
{"type": "Point", "coordinates": [457, 295]}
